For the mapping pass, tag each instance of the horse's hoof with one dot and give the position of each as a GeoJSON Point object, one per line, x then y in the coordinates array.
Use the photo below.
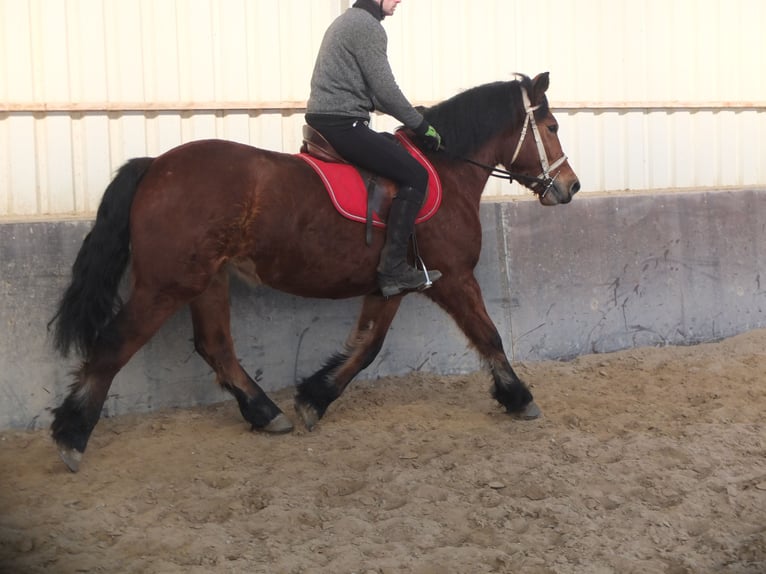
{"type": "Point", "coordinates": [280, 424]}
{"type": "Point", "coordinates": [71, 457]}
{"type": "Point", "coordinates": [530, 412]}
{"type": "Point", "coordinates": [308, 414]}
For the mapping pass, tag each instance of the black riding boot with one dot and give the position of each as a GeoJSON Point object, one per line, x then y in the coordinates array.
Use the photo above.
{"type": "Point", "coordinates": [395, 274]}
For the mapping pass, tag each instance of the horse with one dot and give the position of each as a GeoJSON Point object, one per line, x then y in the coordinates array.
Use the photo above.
{"type": "Point", "coordinates": [186, 219]}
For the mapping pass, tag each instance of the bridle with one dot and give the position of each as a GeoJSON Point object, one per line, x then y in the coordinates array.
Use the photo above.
{"type": "Point", "coordinates": [544, 180]}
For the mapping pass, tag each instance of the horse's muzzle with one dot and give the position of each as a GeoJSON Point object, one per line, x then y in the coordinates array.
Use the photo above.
{"type": "Point", "coordinates": [559, 192]}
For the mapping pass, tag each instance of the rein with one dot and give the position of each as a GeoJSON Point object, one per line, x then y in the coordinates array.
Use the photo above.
{"type": "Point", "coordinates": [505, 174]}
{"type": "Point", "coordinates": [544, 180]}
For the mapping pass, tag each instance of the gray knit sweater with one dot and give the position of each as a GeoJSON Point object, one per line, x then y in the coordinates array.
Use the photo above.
{"type": "Point", "coordinates": [352, 76]}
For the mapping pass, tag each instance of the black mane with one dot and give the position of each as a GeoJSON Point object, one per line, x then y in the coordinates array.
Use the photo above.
{"type": "Point", "coordinates": [469, 119]}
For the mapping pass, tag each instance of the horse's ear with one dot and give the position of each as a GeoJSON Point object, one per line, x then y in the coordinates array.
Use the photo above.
{"type": "Point", "coordinates": [539, 86]}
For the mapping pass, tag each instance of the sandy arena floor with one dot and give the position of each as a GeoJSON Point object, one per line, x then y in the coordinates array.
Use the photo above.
{"type": "Point", "coordinates": [646, 461]}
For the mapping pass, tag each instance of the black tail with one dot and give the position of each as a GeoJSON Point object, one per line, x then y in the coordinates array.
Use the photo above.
{"type": "Point", "coordinates": [91, 300]}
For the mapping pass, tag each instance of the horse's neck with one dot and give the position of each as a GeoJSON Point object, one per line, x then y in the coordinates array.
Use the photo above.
{"type": "Point", "coordinates": [464, 180]}
{"type": "Point", "coordinates": [487, 156]}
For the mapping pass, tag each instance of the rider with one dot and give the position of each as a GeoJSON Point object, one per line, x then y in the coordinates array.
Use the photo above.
{"type": "Point", "coordinates": [351, 78]}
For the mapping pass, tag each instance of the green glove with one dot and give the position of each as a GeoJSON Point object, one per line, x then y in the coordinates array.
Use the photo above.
{"type": "Point", "coordinates": [432, 139]}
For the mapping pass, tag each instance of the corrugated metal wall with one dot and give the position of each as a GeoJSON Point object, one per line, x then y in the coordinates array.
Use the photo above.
{"type": "Point", "coordinates": [650, 93]}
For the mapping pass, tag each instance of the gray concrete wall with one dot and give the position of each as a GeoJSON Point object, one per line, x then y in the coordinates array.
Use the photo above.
{"type": "Point", "coordinates": [599, 275]}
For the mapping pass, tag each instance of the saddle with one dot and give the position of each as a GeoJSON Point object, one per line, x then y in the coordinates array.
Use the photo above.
{"type": "Point", "coordinates": [359, 194]}
{"type": "Point", "coordinates": [317, 145]}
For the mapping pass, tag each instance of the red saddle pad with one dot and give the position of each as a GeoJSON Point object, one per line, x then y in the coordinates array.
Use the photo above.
{"type": "Point", "coordinates": [349, 194]}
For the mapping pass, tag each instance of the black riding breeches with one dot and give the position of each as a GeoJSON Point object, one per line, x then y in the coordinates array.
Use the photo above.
{"type": "Point", "coordinates": [376, 152]}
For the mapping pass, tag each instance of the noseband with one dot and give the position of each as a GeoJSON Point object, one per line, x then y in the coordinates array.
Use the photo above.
{"type": "Point", "coordinates": [544, 180]}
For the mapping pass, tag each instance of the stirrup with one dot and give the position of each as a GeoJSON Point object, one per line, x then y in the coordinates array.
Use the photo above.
{"type": "Point", "coordinates": [422, 265]}
{"type": "Point", "coordinates": [424, 269]}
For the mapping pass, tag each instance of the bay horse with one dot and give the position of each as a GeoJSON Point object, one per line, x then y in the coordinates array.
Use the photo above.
{"type": "Point", "coordinates": [185, 219]}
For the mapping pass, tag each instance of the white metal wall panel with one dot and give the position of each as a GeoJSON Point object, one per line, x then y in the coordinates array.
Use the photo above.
{"type": "Point", "coordinates": [650, 94]}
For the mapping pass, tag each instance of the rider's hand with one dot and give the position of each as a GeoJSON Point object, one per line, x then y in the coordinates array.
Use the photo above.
{"type": "Point", "coordinates": [432, 139]}
{"type": "Point", "coordinates": [429, 136]}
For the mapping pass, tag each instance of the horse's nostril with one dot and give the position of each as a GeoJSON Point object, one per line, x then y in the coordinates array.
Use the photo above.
{"type": "Point", "coordinates": [575, 187]}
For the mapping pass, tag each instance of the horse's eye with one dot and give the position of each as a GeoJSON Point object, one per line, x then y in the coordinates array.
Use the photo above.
{"type": "Point", "coordinates": [554, 128]}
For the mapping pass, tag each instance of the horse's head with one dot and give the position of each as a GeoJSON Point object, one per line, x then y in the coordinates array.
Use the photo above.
{"type": "Point", "coordinates": [537, 160]}
{"type": "Point", "coordinates": [508, 123]}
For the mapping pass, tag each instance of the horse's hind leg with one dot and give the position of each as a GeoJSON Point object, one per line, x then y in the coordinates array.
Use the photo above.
{"type": "Point", "coordinates": [212, 340]}
{"type": "Point", "coordinates": [362, 346]}
{"type": "Point", "coordinates": [75, 419]}
{"type": "Point", "coordinates": [461, 298]}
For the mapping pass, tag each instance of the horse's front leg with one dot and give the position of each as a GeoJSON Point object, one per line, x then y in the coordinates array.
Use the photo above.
{"type": "Point", "coordinates": [461, 297]}
{"type": "Point", "coordinates": [316, 392]}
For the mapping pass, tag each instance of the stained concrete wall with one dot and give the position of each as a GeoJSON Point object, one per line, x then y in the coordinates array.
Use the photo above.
{"type": "Point", "coordinates": [599, 275]}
